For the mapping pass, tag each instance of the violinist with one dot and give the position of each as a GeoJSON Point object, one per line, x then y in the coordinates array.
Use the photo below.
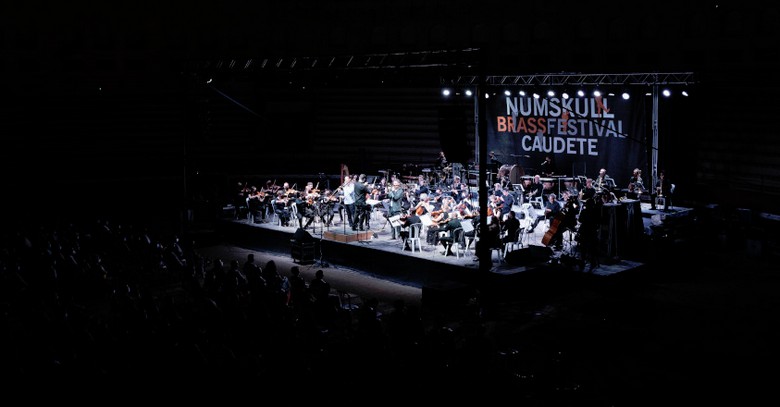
{"type": "Point", "coordinates": [256, 205]}
{"type": "Point", "coordinates": [439, 218]}
{"type": "Point", "coordinates": [424, 205]}
{"type": "Point", "coordinates": [279, 205]}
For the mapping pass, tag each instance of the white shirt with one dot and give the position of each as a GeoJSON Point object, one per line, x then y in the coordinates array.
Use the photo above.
{"type": "Point", "coordinates": [348, 190]}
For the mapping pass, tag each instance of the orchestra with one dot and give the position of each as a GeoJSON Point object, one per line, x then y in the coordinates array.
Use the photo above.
{"type": "Point", "coordinates": [438, 200]}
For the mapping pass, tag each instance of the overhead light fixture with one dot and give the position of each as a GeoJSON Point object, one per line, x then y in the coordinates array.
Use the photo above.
{"type": "Point", "coordinates": [666, 92]}
{"type": "Point", "coordinates": [521, 93]}
{"type": "Point", "coordinates": [469, 92]}
{"type": "Point", "coordinates": [446, 92]}
{"type": "Point", "coordinates": [685, 93]}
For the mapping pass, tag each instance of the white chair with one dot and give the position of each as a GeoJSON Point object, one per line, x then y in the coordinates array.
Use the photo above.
{"type": "Point", "coordinates": [459, 242]}
{"type": "Point", "coordinates": [517, 244]}
{"type": "Point", "coordinates": [415, 230]}
{"type": "Point", "coordinates": [294, 214]}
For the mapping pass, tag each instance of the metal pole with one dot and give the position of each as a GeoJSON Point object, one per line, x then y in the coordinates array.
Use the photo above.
{"type": "Point", "coordinates": [655, 136]}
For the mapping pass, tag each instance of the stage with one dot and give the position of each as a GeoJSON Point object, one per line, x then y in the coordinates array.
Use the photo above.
{"type": "Point", "coordinates": [374, 251]}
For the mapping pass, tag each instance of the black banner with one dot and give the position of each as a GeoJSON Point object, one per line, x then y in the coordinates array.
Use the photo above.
{"type": "Point", "coordinates": [581, 134]}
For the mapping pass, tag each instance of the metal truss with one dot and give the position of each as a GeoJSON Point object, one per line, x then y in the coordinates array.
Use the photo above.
{"type": "Point", "coordinates": [397, 60]}
{"type": "Point", "coordinates": [577, 79]}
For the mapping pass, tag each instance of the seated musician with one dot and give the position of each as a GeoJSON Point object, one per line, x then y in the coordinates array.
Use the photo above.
{"type": "Point", "coordinates": [447, 230]}
{"type": "Point", "coordinates": [509, 227]}
{"type": "Point", "coordinates": [407, 220]}
{"type": "Point", "coordinates": [280, 208]}
{"type": "Point", "coordinates": [439, 218]}
{"type": "Point", "coordinates": [635, 185]}
{"type": "Point", "coordinates": [551, 209]}
{"type": "Point", "coordinates": [535, 188]}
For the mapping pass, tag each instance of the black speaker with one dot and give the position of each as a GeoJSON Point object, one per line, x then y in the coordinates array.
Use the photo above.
{"type": "Point", "coordinates": [452, 134]}
{"type": "Point", "coordinates": [530, 255]}
{"type": "Point", "coordinates": [302, 236]}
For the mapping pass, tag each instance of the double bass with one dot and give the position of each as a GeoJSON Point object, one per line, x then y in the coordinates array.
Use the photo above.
{"type": "Point", "coordinates": [554, 224]}
{"type": "Point", "coordinates": [566, 218]}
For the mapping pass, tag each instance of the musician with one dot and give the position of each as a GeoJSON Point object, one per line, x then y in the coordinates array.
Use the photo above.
{"type": "Point", "coordinates": [548, 166]}
{"type": "Point", "coordinates": [601, 182]}
{"type": "Point", "coordinates": [396, 196]}
{"type": "Point", "coordinates": [349, 199]}
{"type": "Point", "coordinates": [493, 161]}
{"type": "Point", "coordinates": [407, 220]}
{"type": "Point", "coordinates": [328, 206]}
{"type": "Point", "coordinates": [535, 189]}
{"type": "Point", "coordinates": [663, 189]}
{"type": "Point", "coordinates": [588, 192]}
{"type": "Point", "coordinates": [507, 201]}
{"type": "Point", "coordinates": [449, 227]}
{"type": "Point", "coordinates": [551, 209]}
{"type": "Point", "coordinates": [588, 232]}
{"type": "Point", "coordinates": [361, 208]}
{"type": "Point", "coordinates": [424, 205]}
{"type": "Point", "coordinates": [635, 185]}
{"type": "Point", "coordinates": [256, 203]}
{"type": "Point", "coordinates": [280, 207]}
{"type": "Point", "coordinates": [441, 161]}
{"type": "Point", "coordinates": [509, 228]}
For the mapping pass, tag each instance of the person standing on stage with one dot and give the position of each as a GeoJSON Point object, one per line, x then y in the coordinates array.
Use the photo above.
{"type": "Point", "coordinates": [548, 166]}
{"type": "Point", "coordinates": [349, 199]}
{"type": "Point", "coordinates": [663, 189]}
{"type": "Point", "coordinates": [441, 161]}
{"type": "Point", "coordinates": [395, 195]}
{"type": "Point", "coordinates": [588, 232]}
{"type": "Point", "coordinates": [359, 194]}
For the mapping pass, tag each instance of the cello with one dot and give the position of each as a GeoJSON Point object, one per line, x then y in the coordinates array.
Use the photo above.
{"type": "Point", "coordinates": [548, 236]}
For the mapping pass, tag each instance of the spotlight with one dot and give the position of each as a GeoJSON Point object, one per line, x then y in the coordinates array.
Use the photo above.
{"type": "Point", "coordinates": [550, 93]}
{"type": "Point", "coordinates": [536, 95]}
{"type": "Point", "coordinates": [596, 93]}
{"type": "Point", "coordinates": [666, 92]}
{"type": "Point", "coordinates": [445, 92]}
{"type": "Point", "coordinates": [469, 92]}
{"type": "Point", "coordinates": [685, 93]}
{"type": "Point", "coordinates": [626, 96]}
{"type": "Point", "coordinates": [508, 93]}
{"type": "Point", "coordinates": [487, 96]}
{"type": "Point", "coordinates": [521, 93]}
{"type": "Point", "coordinates": [581, 93]}
{"type": "Point", "coordinates": [565, 95]}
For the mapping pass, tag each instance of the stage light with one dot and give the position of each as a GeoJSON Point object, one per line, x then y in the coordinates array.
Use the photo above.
{"type": "Point", "coordinates": [487, 96]}
{"type": "Point", "coordinates": [581, 93]}
{"type": "Point", "coordinates": [565, 95]}
{"type": "Point", "coordinates": [685, 93]}
{"type": "Point", "coordinates": [508, 93]}
{"type": "Point", "coordinates": [550, 93]}
{"type": "Point", "coordinates": [666, 92]}
{"type": "Point", "coordinates": [536, 95]}
{"type": "Point", "coordinates": [596, 93]}
{"type": "Point", "coordinates": [521, 93]}
{"type": "Point", "coordinates": [626, 96]}
{"type": "Point", "coordinates": [446, 92]}
{"type": "Point", "coordinates": [469, 92]}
